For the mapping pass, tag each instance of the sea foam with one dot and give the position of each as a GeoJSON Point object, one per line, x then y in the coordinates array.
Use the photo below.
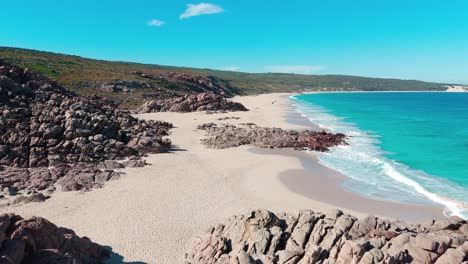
{"type": "Point", "coordinates": [372, 174]}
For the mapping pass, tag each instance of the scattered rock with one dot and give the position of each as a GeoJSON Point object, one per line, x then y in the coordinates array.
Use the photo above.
{"type": "Point", "coordinates": [228, 118]}
{"type": "Point", "coordinates": [34, 198]}
{"type": "Point", "coordinates": [311, 237]}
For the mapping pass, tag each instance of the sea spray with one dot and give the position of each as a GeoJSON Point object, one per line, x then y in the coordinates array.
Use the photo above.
{"type": "Point", "coordinates": [370, 169]}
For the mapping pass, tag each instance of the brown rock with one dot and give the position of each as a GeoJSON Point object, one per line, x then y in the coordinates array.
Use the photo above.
{"type": "Point", "coordinates": [310, 237]}
{"type": "Point", "coordinates": [207, 101]}
{"type": "Point", "coordinates": [12, 251]}
{"type": "Point", "coordinates": [432, 242]}
{"type": "Point", "coordinates": [452, 256]}
{"type": "Point", "coordinates": [227, 136]}
{"type": "Point", "coordinates": [464, 229]}
{"type": "Point", "coordinates": [372, 256]}
{"type": "Point", "coordinates": [37, 240]}
{"type": "Point", "coordinates": [47, 133]}
{"type": "Point", "coordinates": [289, 256]}
{"type": "Point", "coordinates": [34, 198]}
{"type": "Point", "coordinates": [209, 250]}
{"type": "Point", "coordinates": [351, 252]}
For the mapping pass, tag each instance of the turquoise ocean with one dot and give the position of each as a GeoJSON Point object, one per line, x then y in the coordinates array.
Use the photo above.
{"type": "Point", "coordinates": [403, 147]}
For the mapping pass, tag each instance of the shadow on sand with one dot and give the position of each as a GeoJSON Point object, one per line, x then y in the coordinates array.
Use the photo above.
{"type": "Point", "coordinates": [115, 258]}
{"type": "Point", "coordinates": [176, 148]}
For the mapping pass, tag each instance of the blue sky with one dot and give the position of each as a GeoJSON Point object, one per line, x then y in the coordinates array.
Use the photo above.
{"type": "Point", "coordinates": [408, 39]}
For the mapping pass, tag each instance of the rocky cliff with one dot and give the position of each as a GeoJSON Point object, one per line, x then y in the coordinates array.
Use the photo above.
{"type": "Point", "coordinates": [311, 237]}
{"type": "Point", "coordinates": [49, 135]}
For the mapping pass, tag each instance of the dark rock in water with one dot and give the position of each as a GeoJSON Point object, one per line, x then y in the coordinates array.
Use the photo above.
{"type": "Point", "coordinates": [311, 237]}
{"type": "Point", "coordinates": [226, 136]}
{"type": "Point", "coordinates": [49, 134]}
{"type": "Point", "coordinates": [192, 103]}
{"type": "Point", "coordinates": [37, 240]}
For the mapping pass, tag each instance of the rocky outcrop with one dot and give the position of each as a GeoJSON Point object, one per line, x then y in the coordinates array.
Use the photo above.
{"type": "Point", "coordinates": [189, 82]}
{"type": "Point", "coordinates": [49, 135]}
{"type": "Point", "coordinates": [36, 240]}
{"type": "Point", "coordinates": [122, 86]}
{"type": "Point", "coordinates": [193, 103]}
{"type": "Point", "coordinates": [227, 136]}
{"type": "Point", "coordinates": [178, 77]}
{"type": "Point", "coordinates": [228, 118]}
{"type": "Point", "coordinates": [148, 90]}
{"type": "Point", "coordinates": [311, 237]}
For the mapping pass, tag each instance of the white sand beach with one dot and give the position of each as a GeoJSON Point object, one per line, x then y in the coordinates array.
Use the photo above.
{"type": "Point", "coordinates": [151, 214]}
{"type": "Point", "coordinates": [457, 89]}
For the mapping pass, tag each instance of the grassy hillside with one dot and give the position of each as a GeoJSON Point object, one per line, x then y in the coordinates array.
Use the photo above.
{"type": "Point", "coordinates": [252, 83]}
{"type": "Point", "coordinates": [86, 76]}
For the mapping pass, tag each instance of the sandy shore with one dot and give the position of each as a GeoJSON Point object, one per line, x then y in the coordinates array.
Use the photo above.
{"type": "Point", "coordinates": [457, 89]}
{"type": "Point", "coordinates": [151, 214]}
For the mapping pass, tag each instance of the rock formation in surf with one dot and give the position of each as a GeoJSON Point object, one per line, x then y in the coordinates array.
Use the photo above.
{"type": "Point", "coordinates": [36, 240]}
{"type": "Point", "coordinates": [49, 135]}
{"type": "Point", "coordinates": [207, 101]}
{"type": "Point", "coordinates": [310, 237]}
{"type": "Point", "coordinates": [226, 136]}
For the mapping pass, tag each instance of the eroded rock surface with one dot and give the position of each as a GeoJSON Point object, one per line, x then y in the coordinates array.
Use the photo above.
{"type": "Point", "coordinates": [311, 237]}
{"type": "Point", "coordinates": [227, 136]}
{"type": "Point", "coordinates": [36, 240]}
{"type": "Point", "coordinates": [49, 135]}
{"type": "Point", "coordinates": [122, 86]}
{"type": "Point", "coordinates": [190, 82]}
{"type": "Point", "coordinates": [207, 101]}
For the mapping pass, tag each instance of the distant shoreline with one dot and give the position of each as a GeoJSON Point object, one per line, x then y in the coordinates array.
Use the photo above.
{"type": "Point", "coordinates": [316, 92]}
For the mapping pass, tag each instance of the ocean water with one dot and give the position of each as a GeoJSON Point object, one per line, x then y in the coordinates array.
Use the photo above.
{"type": "Point", "coordinates": [403, 147]}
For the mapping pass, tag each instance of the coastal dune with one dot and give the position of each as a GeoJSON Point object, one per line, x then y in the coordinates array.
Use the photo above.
{"type": "Point", "coordinates": [152, 213]}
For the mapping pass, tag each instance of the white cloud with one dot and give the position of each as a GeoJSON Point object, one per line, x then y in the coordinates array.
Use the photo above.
{"type": "Point", "coordinates": [297, 69]}
{"type": "Point", "coordinates": [201, 9]}
{"type": "Point", "coordinates": [230, 68]}
{"type": "Point", "coordinates": [156, 23]}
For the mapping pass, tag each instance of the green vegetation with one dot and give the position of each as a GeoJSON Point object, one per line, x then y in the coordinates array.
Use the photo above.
{"type": "Point", "coordinates": [76, 73]}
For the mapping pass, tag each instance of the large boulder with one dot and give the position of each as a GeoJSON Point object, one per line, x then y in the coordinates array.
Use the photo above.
{"type": "Point", "coordinates": [36, 240]}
